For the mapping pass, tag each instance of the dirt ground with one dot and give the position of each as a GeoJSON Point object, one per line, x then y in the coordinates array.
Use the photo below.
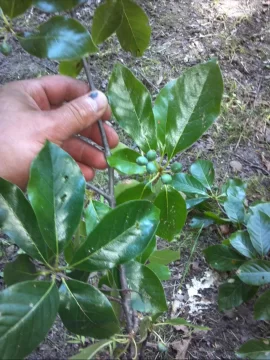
{"type": "Point", "coordinates": [185, 33]}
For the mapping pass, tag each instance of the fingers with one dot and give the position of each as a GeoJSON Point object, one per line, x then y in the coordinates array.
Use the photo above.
{"type": "Point", "coordinates": [93, 133]}
{"type": "Point", "coordinates": [88, 172]}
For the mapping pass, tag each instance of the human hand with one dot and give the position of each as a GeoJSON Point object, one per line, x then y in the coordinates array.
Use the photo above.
{"type": "Point", "coordinates": [53, 108]}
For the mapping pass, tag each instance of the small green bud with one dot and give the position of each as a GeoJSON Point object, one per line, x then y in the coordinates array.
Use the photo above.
{"type": "Point", "coordinates": [176, 167]}
{"type": "Point", "coordinates": [166, 179]}
{"type": "Point", "coordinates": [151, 168]}
{"type": "Point", "coordinates": [151, 155]}
{"type": "Point", "coordinates": [162, 347]}
{"type": "Point", "coordinates": [5, 48]}
{"type": "Point", "coordinates": [141, 160]}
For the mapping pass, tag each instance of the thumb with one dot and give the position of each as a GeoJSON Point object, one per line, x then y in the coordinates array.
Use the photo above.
{"type": "Point", "coordinates": [77, 115]}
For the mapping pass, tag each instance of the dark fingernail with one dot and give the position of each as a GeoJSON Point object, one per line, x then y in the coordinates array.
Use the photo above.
{"type": "Point", "coordinates": [93, 95]}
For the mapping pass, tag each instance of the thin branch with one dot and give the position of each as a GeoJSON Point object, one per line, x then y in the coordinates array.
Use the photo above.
{"type": "Point", "coordinates": [112, 298]}
{"type": "Point", "coordinates": [99, 191]}
{"type": "Point", "coordinates": [125, 298]}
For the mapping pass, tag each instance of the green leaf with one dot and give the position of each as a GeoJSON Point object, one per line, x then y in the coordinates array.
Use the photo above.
{"type": "Point", "coordinates": [77, 240]}
{"type": "Point", "coordinates": [91, 350]}
{"type": "Point", "coordinates": [235, 188]}
{"type": "Point", "coordinates": [217, 219]}
{"type": "Point", "coordinates": [194, 106]}
{"type": "Point", "coordinates": [172, 213]}
{"type": "Point", "coordinates": [204, 172]}
{"type": "Point", "coordinates": [56, 191]}
{"type": "Point", "coordinates": [181, 321]}
{"type": "Point", "coordinates": [148, 295]}
{"type": "Point", "coordinates": [162, 271]}
{"type": "Point", "coordinates": [132, 107]}
{"type": "Point", "coordinates": [258, 227]}
{"type": "Point", "coordinates": [262, 307]}
{"type": "Point", "coordinates": [134, 31]}
{"type": "Point", "coordinates": [151, 247]}
{"type": "Point", "coordinates": [235, 210]}
{"type": "Point", "coordinates": [18, 221]}
{"type": "Point", "coordinates": [191, 202]}
{"type": "Point", "coordinates": [131, 190]}
{"type": "Point", "coordinates": [188, 184]}
{"type": "Point", "coordinates": [125, 161]}
{"type": "Point", "coordinates": [28, 311]}
{"type": "Point", "coordinates": [79, 275]}
{"type": "Point", "coordinates": [241, 242]}
{"type": "Point", "coordinates": [70, 68]}
{"type": "Point", "coordinates": [164, 257]}
{"type": "Point", "coordinates": [107, 18]}
{"type": "Point", "coordinates": [93, 213]}
{"type": "Point", "coordinates": [255, 349]}
{"type": "Point", "coordinates": [60, 38]}
{"type": "Point", "coordinates": [223, 258]}
{"type": "Point", "coordinates": [255, 272]}
{"type": "Point", "coordinates": [145, 328]}
{"type": "Point", "coordinates": [86, 311]}
{"type": "Point", "coordinates": [160, 110]}
{"type": "Point", "coordinates": [200, 221]}
{"type": "Point", "coordinates": [22, 269]}
{"type": "Point", "coordinates": [52, 6]}
{"type": "Point", "coordinates": [121, 235]}
{"type": "Point", "coordinates": [13, 8]}
{"type": "Point", "coordinates": [233, 293]}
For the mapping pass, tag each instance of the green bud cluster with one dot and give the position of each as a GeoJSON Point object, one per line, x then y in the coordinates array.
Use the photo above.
{"type": "Point", "coordinates": [176, 167]}
{"type": "Point", "coordinates": [148, 161]}
{"type": "Point", "coordinates": [5, 48]}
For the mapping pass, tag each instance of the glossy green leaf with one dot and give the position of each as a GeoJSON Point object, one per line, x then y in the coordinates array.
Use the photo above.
{"type": "Point", "coordinates": [125, 161]}
{"type": "Point", "coordinates": [148, 295]}
{"type": "Point", "coordinates": [79, 275]}
{"type": "Point", "coordinates": [233, 293]}
{"type": "Point", "coordinates": [70, 68]}
{"type": "Point", "coordinates": [217, 219]}
{"type": "Point", "coordinates": [223, 258]}
{"type": "Point", "coordinates": [258, 226]}
{"type": "Point", "coordinates": [151, 247]}
{"type": "Point", "coordinates": [191, 202]}
{"type": "Point", "coordinates": [145, 328]}
{"type": "Point", "coordinates": [13, 8]}
{"type": "Point", "coordinates": [235, 210]}
{"type": "Point", "coordinates": [92, 350]}
{"type": "Point", "coordinates": [181, 321]}
{"type": "Point", "coordinates": [162, 271]}
{"type": "Point", "coordinates": [134, 31]}
{"type": "Point", "coordinates": [28, 311]}
{"type": "Point", "coordinates": [60, 38]}
{"type": "Point", "coordinates": [262, 307]}
{"type": "Point", "coordinates": [255, 272]}
{"type": "Point", "coordinates": [18, 221]}
{"type": "Point", "coordinates": [204, 172]}
{"type": "Point", "coordinates": [52, 6]}
{"type": "Point", "coordinates": [131, 190]}
{"type": "Point", "coordinates": [22, 269]}
{"type": "Point", "coordinates": [258, 349]}
{"type": "Point", "coordinates": [56, 191]}
{"type": "Point", "coordinates": [164, 257]}
{"type": "Point", "coordinates": [121, 235]}
{"type": "Point", "coordinates": [107, 18]}
{"type": "Point", "coordinates": [93, 213]}
{"type": "Point", "coordinates": [235, 188]}
{"type": "Point", "coordinates": [194, 106]}
{"type": "Point", "coordinates": [77, 240]}
{"type": "Point", "coordinates": [241, 242]}
{"type": "Point", "coordinates": [132, 107]}
{"type": "Point", "coordinates": [86, 311]}
{"type": "Point", "coordinates": [188, 184]}
{"type": "Point", "coordinates": [160, 110]}
{"type": "Point", "coordinates": [172, 213]}
{"type": "Point", "coordinates": [198, 222]}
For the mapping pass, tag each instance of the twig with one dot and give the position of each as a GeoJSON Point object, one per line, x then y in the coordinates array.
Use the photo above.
{"type": "Point", "coordinates": [99, 191]}
{"type": "Point", "coordinates": [125, 299]}
{"type": "Point", "coordinates": [112, 298]}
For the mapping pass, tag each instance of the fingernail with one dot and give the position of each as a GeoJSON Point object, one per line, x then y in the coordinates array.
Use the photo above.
{"type": "Point", "coordinates": [98, 100]}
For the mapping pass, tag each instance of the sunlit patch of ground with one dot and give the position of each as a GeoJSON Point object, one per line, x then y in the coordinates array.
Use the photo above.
{"type": "Point", "coordinates": [237, 8]}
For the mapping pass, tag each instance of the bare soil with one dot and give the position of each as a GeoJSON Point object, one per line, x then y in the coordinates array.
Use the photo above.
{"type": "Point", "coordinates": [185, 33]}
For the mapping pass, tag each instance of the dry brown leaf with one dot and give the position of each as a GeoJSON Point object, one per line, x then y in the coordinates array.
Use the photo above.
{"type": "Point", "coordinates": [236, 165]}
{"type": "Point", "coordinates": [225, 229]}
{"type": "Point", "coordinates": [181, 328]}
{"type": "Point", "coordinates": [266, 162]}
{"type": "Point", "coordinates": [181, 347]}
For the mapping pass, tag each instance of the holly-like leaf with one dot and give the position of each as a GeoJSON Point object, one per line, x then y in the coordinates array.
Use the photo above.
{"type": "Point", "coordinates": [92, 350]}
{"type": "Point", "coordinates": [93, 213]}
{"type": "Point", "coordinates": [181, 321]}
{"type": "Point", "coordinates": [223, 258]}
{"type": "Point", "coordinates": [262, 307]}
{"type": "Point", "coordinates": [188, 184]}
{"type": "Point", "coordinates": [194, 106]}
{"type": "Point", "coordinates": [13, 8]}
{"type": "Point", "coordinates": [162, 271]}
{"type": "Point", "coordinates": [255, 349]}
{"type": "Point", "coordinates": [132, 107]}
{"type": "Point", "coordinates": [148, 295]}
{"type": "Point", "coordinates": [233, 293]}
{"type": "Point", "coordinates": [86, 311]}
{"type": "Point", "coordinates": [22, 269]}
{"type": "Point", "coordinates": [172, 213]}
{"type": "Point", "coordinates": [151, 247]}
{"type": "Point", "coordinates": [164, 257]}
{"type": "Point", "coordinates": [18, 221]}
{"type": "Point", "coordinates": [60, 38]}
{"type": "Point", "coordinates": [121, 235]}
{"type": "Point", "coordinates": [131, 190]}
{"type": "Point", "coordinates": [107, 18]}
{"type": "Point", "coordinates": [70, 68]}
{"type": "Point", "coordinates": [28, 311]}
{"type": "Point", "coordinates": [56, 191]}
{"type": "Point", "coordinates": [124, 160]}
{"type": "Point", "coordinates": [204, 172]}
{"type": "Point", "coordinates": [52, 6]}
{"type": "Point", "coordinates": [255, 272]}
{"type": "Point", "coordinates": [134, 31]}
{"type": "Point", "coordinates": [241, 242]}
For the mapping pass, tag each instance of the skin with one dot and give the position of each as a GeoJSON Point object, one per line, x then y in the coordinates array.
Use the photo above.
{"type": "Point", "coordinates": [54, 108]}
